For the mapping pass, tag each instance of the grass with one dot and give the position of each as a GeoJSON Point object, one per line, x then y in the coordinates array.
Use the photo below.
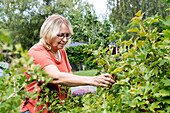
{"type": "Point", "coordinates": [86, 72]}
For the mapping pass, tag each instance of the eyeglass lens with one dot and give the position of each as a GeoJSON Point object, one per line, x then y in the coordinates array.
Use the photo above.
{"type": "Point", "coordinates": [67, 35]}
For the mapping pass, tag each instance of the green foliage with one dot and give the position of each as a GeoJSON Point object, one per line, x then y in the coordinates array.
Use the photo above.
{"type": "Point", "coordinates": [75, 53]}
{"type": "Point", "coordinates": [77, 56]}
{"type": "Point", "coordinates": [123, 10]}
{"type": "Point", "coordinates": [88, 29]}
{"type": "Point", "coordinates": [141, 75]}
{"type": "Point", "coordinates": [4, 36]}
{"type": "Point", "coordinates": [13, 81]}
{"type": "Point", "coordinates": [25, 17]}
{"type": "Point", "coordinates": [7, 51]}
{"type": "Point", "coordinates": [167, 1]}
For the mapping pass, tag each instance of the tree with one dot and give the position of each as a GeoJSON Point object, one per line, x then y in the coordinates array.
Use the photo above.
{"type": "Point", "coordinates": [25, 17]}
{"type": "Point", "coordinates": [123, 10]}
{"type": "Point", "coordinates": [88, 29]}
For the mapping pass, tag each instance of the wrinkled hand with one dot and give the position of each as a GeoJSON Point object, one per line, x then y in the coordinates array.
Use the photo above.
{"type": "Point", "coordinates": [103, 80]}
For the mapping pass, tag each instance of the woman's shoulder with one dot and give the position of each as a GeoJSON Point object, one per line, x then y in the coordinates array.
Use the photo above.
{"type": "Point", "coordinates": [36, 49]}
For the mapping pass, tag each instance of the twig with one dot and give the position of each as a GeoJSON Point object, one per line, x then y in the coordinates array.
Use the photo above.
{"type": "Point", "coordinates": [107, 63]}
{"type": "Point", "coordinates": [14, 84]}
{"type": "Point", "coordinates": [138, 68]}
{"type": "Point", "coordinates": [1, 94]}
{"type": "Point", "coordinates": [12, 94]}
{"type": "Point", "coordinates": [106, 60]}
{"type": "Point", "coordinates": [145, 32]}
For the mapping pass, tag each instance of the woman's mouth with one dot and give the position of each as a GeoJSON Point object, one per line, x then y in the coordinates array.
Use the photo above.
{"type": "Point", "coordinates": [62, 44]}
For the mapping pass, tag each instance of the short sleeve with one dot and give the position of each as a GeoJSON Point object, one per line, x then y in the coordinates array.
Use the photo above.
{"type": "Point", "coordinates": [41, 57]}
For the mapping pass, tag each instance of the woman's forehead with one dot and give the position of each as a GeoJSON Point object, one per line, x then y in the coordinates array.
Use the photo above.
{"type": "Point", "coordinates": [64, 28]}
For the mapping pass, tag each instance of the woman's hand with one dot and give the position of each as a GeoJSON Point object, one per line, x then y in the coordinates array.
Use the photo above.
{"type": "Point", "coordinates": [103, 80]}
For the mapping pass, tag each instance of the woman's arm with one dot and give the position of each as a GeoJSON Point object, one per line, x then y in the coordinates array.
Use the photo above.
{"type": "Point", "coordinates": [68, 79]}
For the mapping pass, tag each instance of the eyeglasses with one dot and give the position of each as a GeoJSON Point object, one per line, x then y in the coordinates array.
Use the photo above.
{"type": "Point", "coordinates": [62, 35]}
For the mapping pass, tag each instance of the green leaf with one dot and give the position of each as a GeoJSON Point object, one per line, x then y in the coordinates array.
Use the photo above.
{"type": "Point", "coordinates": [134, 18]}
{"type": "Point", "coordinates": [166, 82]}
{"type": "Point", "coordinates": [152, 21]}
{"type": "Point", "coordinates": [117, 70]}
{"type": "Point", "coordinates": [155, 71]}
{"type": "Point", "coordinates": [168, 9]}
{"type": "Point", "coordinates": [132, 30]}
{"type": "Point", "coordinates": [162, 93]}
{"type": "Point", "coordinates": [154, 105]}
{"type": "Point", "coordinates": [138, 13]}
{"type": "Point", "coordinates": [136, 21]}
{"type": "Point", "coordinates": [166, 21]}
{"type": "Point", "coordinates": [166, 101]}
{"type": "Point", "coordinates": [162, 62]}
{"type": "Point", "coordinates": [18, 47]}
{"type": "Point", "coordinates": [147, 75]}
{"type": "Point", "coordinates": [156, 62]}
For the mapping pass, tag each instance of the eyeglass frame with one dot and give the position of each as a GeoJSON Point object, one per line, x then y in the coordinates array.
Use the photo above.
{"type": "Point", "coordinates": [63, 35]}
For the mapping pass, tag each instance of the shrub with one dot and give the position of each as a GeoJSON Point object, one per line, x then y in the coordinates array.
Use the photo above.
{"type": "Point", "coordinates": [141, 76]}
{"type": "Point", "coordinates": [77, 56]}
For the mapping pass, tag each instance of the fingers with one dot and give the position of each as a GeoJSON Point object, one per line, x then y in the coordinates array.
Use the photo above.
{"type": "Point", "coordinates": [103, 85]}
{"type": "Point", "coordinates": [104, 80]}
{"type": "Point", "coordinates": [108, 77]}
{"type": "Point", "coordinates": [110, 80]}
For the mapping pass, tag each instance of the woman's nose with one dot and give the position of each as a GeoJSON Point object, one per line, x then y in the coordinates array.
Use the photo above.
{"type": "Point", "coordinates": [64, 38]}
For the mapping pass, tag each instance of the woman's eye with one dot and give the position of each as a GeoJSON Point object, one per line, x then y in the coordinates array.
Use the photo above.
{"type": "Point", "coordinates": [67, 35]}
{"type": "Point", "coordinates": [60, 35]}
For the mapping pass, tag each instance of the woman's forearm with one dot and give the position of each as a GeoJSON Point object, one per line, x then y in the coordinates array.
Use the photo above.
{"type": "Point", "coordinates": [68, 79]}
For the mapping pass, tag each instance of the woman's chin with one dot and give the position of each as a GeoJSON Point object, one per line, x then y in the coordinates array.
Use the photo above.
{"type": "Point", "coordinates": [61, 46]}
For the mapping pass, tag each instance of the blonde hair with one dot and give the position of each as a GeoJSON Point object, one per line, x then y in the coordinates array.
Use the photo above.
{"type": "Point", "coordinates": [51, 27]}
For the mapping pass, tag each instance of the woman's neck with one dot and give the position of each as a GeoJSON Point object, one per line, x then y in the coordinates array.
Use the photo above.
{"type": "Point", "coordinates": [54, 51]}
{"type": "Point", "coordinates": [56, 55]}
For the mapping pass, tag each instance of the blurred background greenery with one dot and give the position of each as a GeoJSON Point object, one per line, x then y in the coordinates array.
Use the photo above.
{"type": "Point", "coordinates": [22, 19]}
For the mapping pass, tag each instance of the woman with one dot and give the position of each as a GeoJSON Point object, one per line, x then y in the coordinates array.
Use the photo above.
{"type": "Point", "coordinates": [55, 34]}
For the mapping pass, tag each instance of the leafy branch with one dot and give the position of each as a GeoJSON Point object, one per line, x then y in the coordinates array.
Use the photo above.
{"type": "Point", "coordinates": [138, 68]}
{"type": "Point", "coordinates": [13, 94]}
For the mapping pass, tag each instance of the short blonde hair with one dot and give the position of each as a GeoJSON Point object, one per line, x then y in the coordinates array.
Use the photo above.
{"type": "Point", "coordinates": [51, 27]}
